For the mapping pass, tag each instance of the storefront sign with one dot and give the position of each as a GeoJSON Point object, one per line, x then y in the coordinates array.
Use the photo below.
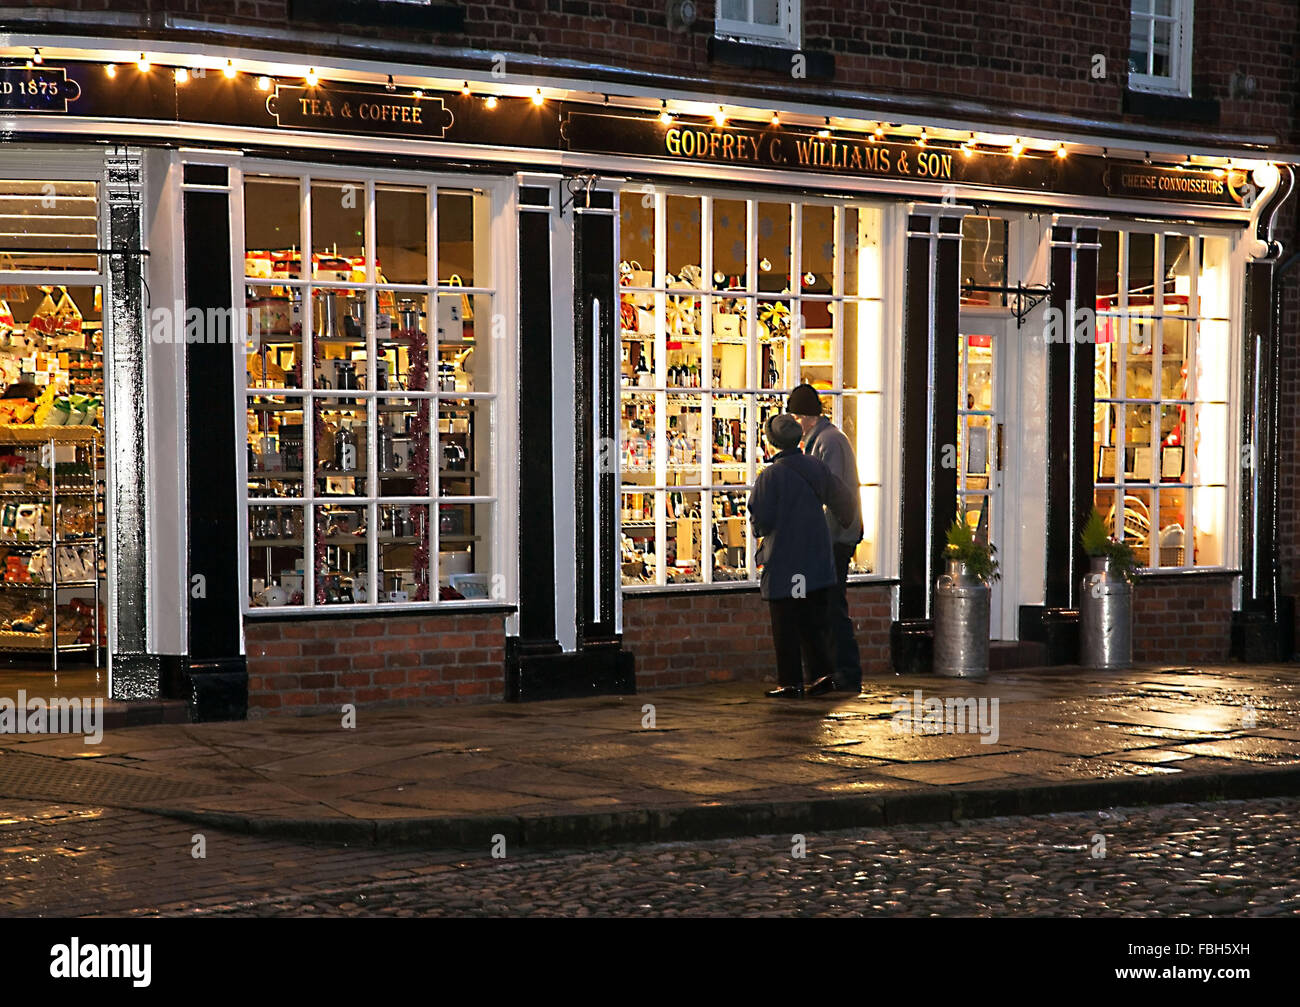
{"type": "Point", "coordinates": [356, 110]}
{"type": "Point", "coordinates": [36, 89]}
{"type": "Point", "coordinates": [339, 111]}
{"type": "Point", "coordinates": [1174, 183]}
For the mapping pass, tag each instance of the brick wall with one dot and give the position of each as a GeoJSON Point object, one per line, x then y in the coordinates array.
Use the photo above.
{"type": "Point", "coordinates": [687, 639]}
{"type": "Point", "coordinates": [1007, 53]}
{"type": "Point", "coordinates": [1182, 620]}
{"type": "Point", "coordinates": [317, 665]}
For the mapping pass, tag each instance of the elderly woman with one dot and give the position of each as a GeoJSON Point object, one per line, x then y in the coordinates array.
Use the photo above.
{"type": "Point", "coordinates": [785, 509]}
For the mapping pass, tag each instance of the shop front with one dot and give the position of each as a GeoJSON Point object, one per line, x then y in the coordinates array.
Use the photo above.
{"type": "Point", "coordinates": [435, 391]}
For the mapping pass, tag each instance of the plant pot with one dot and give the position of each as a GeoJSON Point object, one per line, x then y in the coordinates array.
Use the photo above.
{"type": "Point", "coordinates": [961, 623]}
{"type": "Point", "coordinates": [1105, 618]}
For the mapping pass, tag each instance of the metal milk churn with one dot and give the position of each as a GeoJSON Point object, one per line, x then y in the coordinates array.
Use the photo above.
{"type": "Point", "coordinates": [1105, 618]}
{"type": "Point", "coordinates": [961, 623]}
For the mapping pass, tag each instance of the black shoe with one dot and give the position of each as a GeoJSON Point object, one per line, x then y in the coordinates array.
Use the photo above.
{"type": "Point", "coordinates": [786, 692]}
{"type": "Point", "coordinates": [822, 686]}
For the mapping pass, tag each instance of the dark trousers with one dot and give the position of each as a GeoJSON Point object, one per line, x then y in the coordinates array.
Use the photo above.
{"type": "Point", "coordinates": [844, 642]}
{"type": "Point", "coordinates": [800, 628]}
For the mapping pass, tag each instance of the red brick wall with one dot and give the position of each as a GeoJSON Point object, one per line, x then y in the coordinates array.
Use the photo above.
{"type": "Point", "coordinates": [1182, 620]}
{"type": "Point", "coordinates": [317, 665]}
{"type": "Point", "coordinates": [1002, 52]}
{"type": "Point", "coordinates": [687, 639]}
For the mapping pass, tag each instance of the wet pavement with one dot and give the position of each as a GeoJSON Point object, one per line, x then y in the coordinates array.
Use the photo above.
{"type": "Point", "coordinates": [696, 750]}
{"type": "Point", "coordinates": [1224, 859]}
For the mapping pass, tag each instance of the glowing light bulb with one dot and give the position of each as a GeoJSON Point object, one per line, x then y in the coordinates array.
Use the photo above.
{"type": "Point", "coordinates": [229, 69]}
{"type": "Point", "coordinates": [181, 75]}
{"type": "Point", "coordinates": [311, 77]}
{"type": "Point", "coordinates": [264, 83]}
{"type": "Point", "coordinates": [417, 94]}
{"type": "Point", "coordinates": [537, 97]}
{"type": "Point", "coordinates": [825, 131]}
{"type": "Point", "coordinates": [665, 116]}
{"type": "Point", "coordinates": [490, 101]}
{"type": "Point", "coordinates": [464, 89]}
{"type": "Point", "coordinates": [37, 58]}
{"type": "Point", "coordinates": [1061, 152]}
{"type": "Point", "coordinates": [142, 64]}
{"type": "Point", "coordinates": [720, 116]}
{"type": "Point", "coordinates": [776, 118]}
{"type": "Point", "coordinates": [110, 69]}
{"type": "Point", "coordinates": [922, 140]}
{"type": "Point", "coordinates": [1017, 148]}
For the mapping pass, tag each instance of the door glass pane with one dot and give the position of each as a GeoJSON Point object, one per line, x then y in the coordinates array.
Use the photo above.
{"type": "Point", "coordinates": [983, 260]}
{"type": "Point", "coordinates": [730, 245]}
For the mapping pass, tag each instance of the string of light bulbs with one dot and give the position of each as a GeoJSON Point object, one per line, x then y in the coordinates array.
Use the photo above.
{"type": "Point", "coordinates": [875, 131]}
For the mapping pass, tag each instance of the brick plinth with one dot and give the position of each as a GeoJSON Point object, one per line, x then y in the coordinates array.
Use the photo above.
{"type": "Point", "coordinates": [688, 639]}
{"type": "Point", "coordinates": [1182, 620]}
{"type": "Point", "coordinates": [317, 665]}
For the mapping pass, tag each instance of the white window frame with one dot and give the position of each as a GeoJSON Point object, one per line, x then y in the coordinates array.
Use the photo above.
{"type": "Point", "coordinates": [787, 32]}
{"type": "Point", "coordinates": [501, 422]}
{"type": "Point", "coordinates": [887, 482]}
{"type": "Point", "coordinates": [1230, 552]}
{"type": "Point", "coordinates": [1179, 81]}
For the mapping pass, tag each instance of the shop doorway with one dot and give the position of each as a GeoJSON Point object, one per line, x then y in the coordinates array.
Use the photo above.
{"type": "Point", "coordinates": [986, 469]}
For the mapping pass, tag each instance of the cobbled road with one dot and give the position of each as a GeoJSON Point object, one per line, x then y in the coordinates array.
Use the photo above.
{"type": "Point", "coordinates": [1234, 858]}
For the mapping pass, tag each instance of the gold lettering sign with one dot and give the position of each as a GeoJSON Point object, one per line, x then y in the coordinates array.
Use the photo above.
{"type": "Point", "coordinates": [359, 112]}
{"type": "Point", "coordinates": [702, 143]}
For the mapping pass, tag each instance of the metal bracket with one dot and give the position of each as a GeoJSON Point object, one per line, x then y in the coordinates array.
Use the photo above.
{"type": "Point", "coordinates": [1026, 298]}
{"type": "Point", "coordinates": [584, 182]}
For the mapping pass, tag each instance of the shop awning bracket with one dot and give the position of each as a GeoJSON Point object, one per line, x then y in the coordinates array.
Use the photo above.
{"type": "Point", "coordinates": [1026, 298]}
{"type": "Point", "coordinates": [583, 182]}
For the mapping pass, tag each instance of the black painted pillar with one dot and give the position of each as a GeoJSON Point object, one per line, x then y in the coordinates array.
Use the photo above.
{"type": "Point", "coordinates": [537, 667]}
{"type": "Point", "coordinates": [216, 674]}
{"type": "Point", "coordinates": [1263, 630]}
{"type": "Point", "coordinates": [1071, 353]}
{"type": "Point", "coordinates": [932, 305]}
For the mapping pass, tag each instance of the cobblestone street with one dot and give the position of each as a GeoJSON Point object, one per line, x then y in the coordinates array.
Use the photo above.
{"type": "Point", "coordinates": [1232, 858]}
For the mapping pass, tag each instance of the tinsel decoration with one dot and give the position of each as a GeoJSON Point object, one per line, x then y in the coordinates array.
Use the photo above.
{"type": "Point", "coordinates": [418, 381]}
{"type": "Point", "coordinates": [318, 429]}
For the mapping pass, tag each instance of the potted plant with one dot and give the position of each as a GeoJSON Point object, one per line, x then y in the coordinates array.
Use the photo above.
{"type": "Point", "coordinates": [961, 604]}
{"type": "Point", "coordinates": [1106, 598]}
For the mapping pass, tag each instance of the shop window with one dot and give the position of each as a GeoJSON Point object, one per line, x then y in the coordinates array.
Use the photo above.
{"type": "Point", "coordinates": [52, 522]}
{"type": "Point", "coordinates": [775, 22]}
{"type": "Point", "coordinates": [1162, 415]}
{"type": "Point", "coordinates": [1160, 46]}
{"type": "Point", "coordinates": [370, 392]}
{"type": "Point", "coordinates": [726, 305]}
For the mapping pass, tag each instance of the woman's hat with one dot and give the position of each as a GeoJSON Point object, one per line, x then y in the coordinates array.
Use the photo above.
{"type": "Point", "coordinates": [783, 431]}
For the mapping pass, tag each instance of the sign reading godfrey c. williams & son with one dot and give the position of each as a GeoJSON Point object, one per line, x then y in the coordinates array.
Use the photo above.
{"type": "Point", "coordinates": [790, 149]}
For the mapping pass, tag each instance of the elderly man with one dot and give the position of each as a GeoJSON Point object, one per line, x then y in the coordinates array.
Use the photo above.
{"type": "Point", "coordinates": [826, 442]}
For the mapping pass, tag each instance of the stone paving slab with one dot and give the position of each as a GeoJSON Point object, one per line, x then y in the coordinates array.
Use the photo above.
{"type": "Point", "coordinates": [720, 759]}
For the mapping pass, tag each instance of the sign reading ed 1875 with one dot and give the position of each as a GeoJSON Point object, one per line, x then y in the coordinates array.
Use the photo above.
{"type": "Point", "coordinates": [36, 89]}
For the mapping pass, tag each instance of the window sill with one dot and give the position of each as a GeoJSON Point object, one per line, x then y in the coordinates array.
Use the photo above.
{"type": "Point", "coordinates": [1167, 105]}
{"type": "Point", "coordinates": [445, 608]}
{"type": "Point", "coordinates": [655, 590]}
{"type": "Point", "coordinates": [1195, 572]}
{"type": "Point", "coordinates": [770, 56]}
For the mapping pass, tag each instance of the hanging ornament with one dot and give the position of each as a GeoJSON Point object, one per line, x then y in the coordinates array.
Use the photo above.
{"type": "Point", "coordinates": [809, 279]}
{"type": "Point", "coordinates": [765, 265]}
